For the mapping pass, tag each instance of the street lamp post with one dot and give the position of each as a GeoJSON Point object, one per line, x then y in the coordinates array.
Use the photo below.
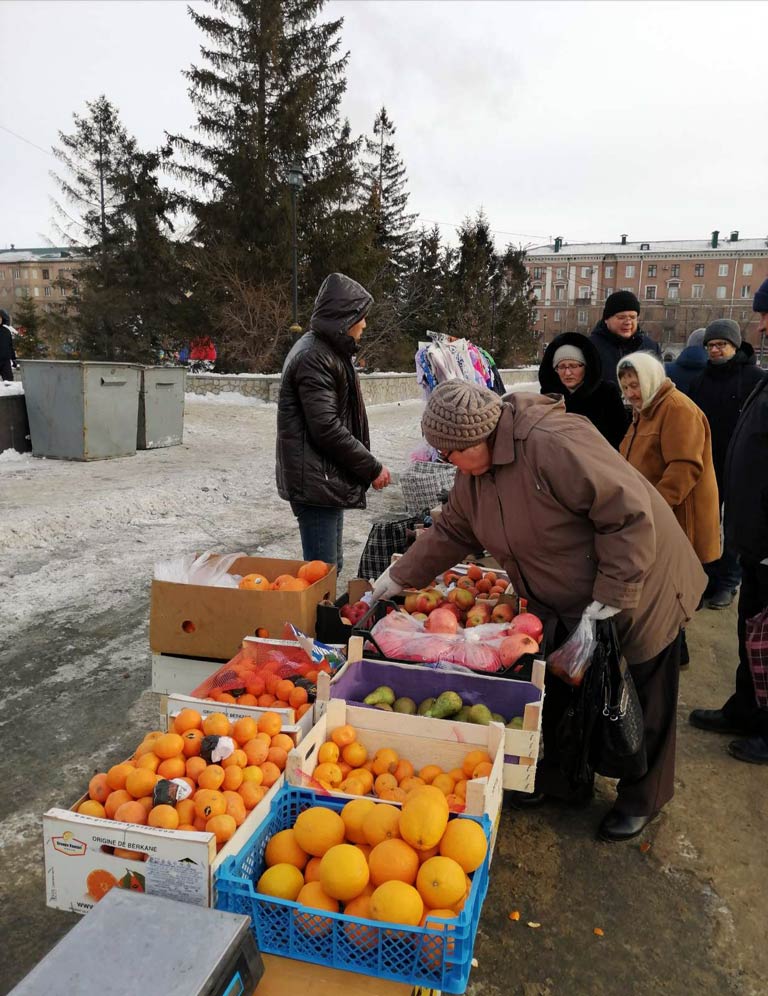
{"type": "Point", "coordinates": [296, 183]}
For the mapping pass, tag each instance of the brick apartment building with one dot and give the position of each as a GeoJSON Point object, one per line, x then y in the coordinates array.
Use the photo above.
{"type": "Point", "coordinates": [31, 273]}
{"type": "Point", "coordinates": [681, 285]}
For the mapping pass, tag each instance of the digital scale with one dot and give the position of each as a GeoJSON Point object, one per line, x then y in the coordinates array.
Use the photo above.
{"type": "Point", "coordinates": [132, 944]}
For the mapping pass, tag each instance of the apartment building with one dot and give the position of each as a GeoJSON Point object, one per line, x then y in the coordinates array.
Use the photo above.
{"type": "Point", "coordinates": [681, 285]}
{"type": "Point", "coordinates": [32, 273]}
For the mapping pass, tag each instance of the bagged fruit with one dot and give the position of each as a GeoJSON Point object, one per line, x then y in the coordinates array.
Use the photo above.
{"type": "Point", "coordinates": [400, 635]}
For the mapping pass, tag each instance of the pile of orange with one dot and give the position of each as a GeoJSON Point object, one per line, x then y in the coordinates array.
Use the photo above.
{"type": "Point", "coordinates": [266, 689]}
{"type": "Point", "coordinates": [307, 574]}
{"type": "Point", "coordinates": [222, 794]}
{"type": "Point", "coordinates": [344, 765]}
{"type": "Point", "coordinates": [377, 862]}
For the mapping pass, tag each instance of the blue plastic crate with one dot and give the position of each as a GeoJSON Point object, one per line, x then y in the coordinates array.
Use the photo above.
{"type": "Point", "coordinates": [413, 955]}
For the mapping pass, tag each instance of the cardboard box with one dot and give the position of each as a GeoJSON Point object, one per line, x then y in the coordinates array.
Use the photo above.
{"type": "Point", "coordinates": [418, 739]}
{"type": "Point", "coordinates": [521, 746]}
{"type": "Point", "coordinates": [203, 621]}
{"type": "Point", "coordinates": [287, 977]}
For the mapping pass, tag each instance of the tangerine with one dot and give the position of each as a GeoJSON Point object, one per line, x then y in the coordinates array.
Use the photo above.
{"type": "Point", "coordinates": [223, 827]}
{"type": "Point", "coordinates": [131, 812]}
{"type": "Point", "coordinates": [283, 689]}
{"type": "Point", "coordinates": [194, 766]}
{"type": "Point", "coordinates": [211, 777]}
{"type": "Point", "coordinates": [251, 793]}
{"type": "Point", "coordinates": [313, 570]}
{"type": "Point", "coordinates": [169, 745]}
{"type": "Point", "coordinates": [298, 697]}
{"type": "Point", "coordinates": [355, 754]}
{"type": "Point", "coordinates": [253, 773]}
{"type": "Point", "coordinates": [187, 719]}
{"type": "Point", "coordinates": [148, 762]}
{"type": "Point", "coordinates": [173, 767]}
{"type": "Point", "coordinates": [99, 788]}
{"type": "Point", "coordinates": [385, 761]}
{"type": "Point", "coordinates": [233, 778]}
{"type": "Point", "coordinates": [92, 808]}
{"type": "Point", "coordinates": [216, 724]}
{"type": "Point", "coordinates": [186, 810]}
{"type": "Point", "coordinates": [245, 729]}
{"type": "Point", "coordinates": [208, 803]}
{"type": "Point", "coordinates": [255, 582]}
{"type": "Point", "coordinates": [270, 773]}
{"type": "Point", "coordinates": [163, 816]}
{"type": "Point", "coordinates": [117, 775]}
{"type": "Point", "coordinates": [278, 757]}
{"type": "Point", "coordinates": [193, 742]}
{"type": "Point", "coordinates": [256, 750]}
{"type": "Point", "coordinates": [238, 758]}
{"type": "Point", "coordinates": [344, 735]}
{"type": "Point", "coordinates": [283, 741]}
{"type": "Point", "coordinates": [270, 723]}
{"type": "Point", "coordinates": [235, 807]}
{"type": "Point", "coordinates": [141, 782]}
{"type": "Point", "coordinates": [114, 801]}
{"type": "Point", "coordinates": [472, 759]}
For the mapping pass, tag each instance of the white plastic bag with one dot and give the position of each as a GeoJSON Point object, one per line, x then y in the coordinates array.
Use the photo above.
{"type": "Point", "coordinates": [209, 569]}
{"type": "Point", "coordinates": [571, 660]}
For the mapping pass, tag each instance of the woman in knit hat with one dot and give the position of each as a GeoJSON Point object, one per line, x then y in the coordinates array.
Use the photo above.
{"type": "Point", "coordinates": [618, 333]}
{"type": "Point", "coordinates": [571, 366]}
{"type": "Point", "coordinates": [577, 530]}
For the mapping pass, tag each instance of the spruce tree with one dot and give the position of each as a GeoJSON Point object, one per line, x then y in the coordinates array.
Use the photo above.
{"type": "Point", "coordinates": [28, 344]}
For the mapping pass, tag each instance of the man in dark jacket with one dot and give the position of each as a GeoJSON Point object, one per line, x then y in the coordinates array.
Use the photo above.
{"type": "Point", "coordinates": [324, 462]}
{"type": "Point", "coordinates": [727, 381]}
{"type": "Point", "coordinates": [746, 533]}
{"type": "Point", "coordinates": [571, 366]}
{"type": "Point", "coordinates": [618, 334]}
{"type": "Point", "coordinates": [7, 352]}
{"type": "Point", "coordinates": [690, 363]}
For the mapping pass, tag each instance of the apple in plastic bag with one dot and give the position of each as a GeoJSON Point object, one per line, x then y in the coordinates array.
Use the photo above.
{"type": "Point", "coordinates": [442, 620]}
{"type": "Point", "coordinates": [529, 624]}
{"type": "Point", "coordinates": [354, 612]}
{"type": "Point", "coordinates": [514, 646]}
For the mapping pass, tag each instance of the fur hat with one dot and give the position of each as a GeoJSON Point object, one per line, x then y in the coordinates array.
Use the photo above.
{"type": "Point", "coordinates": [568, 353]}
{"type": "Point", "coordinates": [650, 373]}
{"type": "Point", "coordinates": [459, 415]}
{"type": "Point", "coordinates": [723, 328]}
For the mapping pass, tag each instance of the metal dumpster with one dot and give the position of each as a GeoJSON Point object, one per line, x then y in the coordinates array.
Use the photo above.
{"type": "Point", "coordinates": [161, 407]}
{"type": "Point", "coordinates": [81, 410]}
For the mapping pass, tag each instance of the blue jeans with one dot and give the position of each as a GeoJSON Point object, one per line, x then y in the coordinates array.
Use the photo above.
{"type": "Point", "coordinates": [321, 530]}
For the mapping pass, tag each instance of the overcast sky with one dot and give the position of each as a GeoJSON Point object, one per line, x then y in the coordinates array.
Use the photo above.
{"type": "Point", "coordinates": [584, 120]}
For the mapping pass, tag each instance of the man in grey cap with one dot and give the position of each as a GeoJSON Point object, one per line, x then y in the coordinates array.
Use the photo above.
{"type": "Point", "coordinates": [577, 530]}
{"type": "Point", "coordinates": [725, 384]}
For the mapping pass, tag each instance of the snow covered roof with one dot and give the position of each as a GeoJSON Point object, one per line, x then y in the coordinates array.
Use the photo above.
{"type": "Point", "coordinates": [38, 255]}
{"type": "Point", "coordinates": [682, 246]}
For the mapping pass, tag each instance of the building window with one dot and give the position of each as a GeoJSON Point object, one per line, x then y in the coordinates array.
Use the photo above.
{"type": "Point", "coordinates": [535, 314]}
{"type": "Point", "coordinates": [722, 270]}
{"type": "Point", "coordinates": [33, 275]}
{"type": "Point", "coordinates": [557, 315]}
{"type": "Point", "coordinates": [46, 274]}
{"type": "Point", "coordinates": [629, 270]}
{"type": "Point", "coordinates": [609, 271]}
{"type": "Point", "coordinates": [697, 291]}
{"type": "Point", "coordinates": [18, 292]}
{"type": "Point", "coordinates": [673, 292]}
{"type": "Point", "coordinates": [747, 269]}
{"type": "Point", "coordinates": [629, 289]}
{"type": "Point", "coordinates": [652, 270]}
{"type": "Point", "coordinates": [2, 274]}
{"type": "Point", "coordinates": [537, 293]}
{"type": "Point", "coordinates": [669, 313]}
{"type": "Point", "coordinates": [63, 291]}
{"type": "Point", "coordinates": [744, 315]}
{"type": "Point", "coordinates": [698, 270]}
{"type": "Point", "coordinates": [36, 291]}
{"type": "Point", "coordinates": [583, 293]}
{"type": "Point", "coordinates": [675, 269]}
{"type": "Point", "coordinates": [47, 291]}
{"type": "Point", "coordinates": [582, 316]}
{"type": "Point", "coordinates": [650, 292]}
{"type": "Point", "coordinates": [537, 273]}
{"type": "Point", "coordinates": [559, 293]}
{"type": "Point", "coordinates": [721, 292]}
{"type": "Point", "coordinates": [560, 273]}
{"type": "Point", "coordinates": [745, 292]}
{"type": "Point", "coordinates": [586, 271]}
{"type": "Point", "coordinates": [607, 291]}
{"type": "Point", "coordinates": [17, 275]}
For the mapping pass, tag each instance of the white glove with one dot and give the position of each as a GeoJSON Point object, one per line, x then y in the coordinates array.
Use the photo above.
{"type": "Point", "coordinates": [596, 610]}
{"type": "Point", "coordinates": [385, 587]}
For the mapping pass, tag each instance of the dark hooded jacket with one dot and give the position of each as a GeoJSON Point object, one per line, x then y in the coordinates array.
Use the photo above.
{"type": "Point", "coordinates": [7, 352]}
{"type": "Point", "coordinates": [687, 368]}
{"type": "Point", "coordinates": [613, 348]}
{"type": "Point", "coordinates": [720, 391]}
{"type": "Point", "coordinates": [323, 446]}
{"type": "Point", "coordinates": [595, 399]}
{"type": "Point", "coordinates": [746, 479]}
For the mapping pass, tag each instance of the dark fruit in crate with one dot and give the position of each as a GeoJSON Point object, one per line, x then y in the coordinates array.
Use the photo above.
{"type": "Point", "coordinates": [354, 612]}
{"type": "Point", "coordinates": [425, 706]}
{"type": "Point", "coordinates": [214, 750]}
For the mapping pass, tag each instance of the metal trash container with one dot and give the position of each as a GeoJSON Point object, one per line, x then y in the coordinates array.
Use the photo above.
{"type": "Point", "coordinates": [161, 407]}
{"type": "Point", "coordinates": [81, 410]}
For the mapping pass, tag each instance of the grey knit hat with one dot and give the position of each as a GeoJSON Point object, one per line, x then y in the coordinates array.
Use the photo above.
{"type": "Point", "coordinates": [459, 415]}
{"type": "Point", "coordinates": [696, 338]}
{"type": "Point", "coordinates": [568, 353]}
{"type": "Point", "coordinates": [723, 328]}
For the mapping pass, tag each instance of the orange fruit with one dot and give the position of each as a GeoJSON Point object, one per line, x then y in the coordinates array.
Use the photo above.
{"type": "Point", "coordinates": [384, 782]}
{"type": "Point", "coordinates": [385, 761]}
{"type": "Point", "coordinates": [270, 723]}
{"type": "Point", "coordinates": [216, 725]}
{"type": "Point", "coordinates": [282, 848]}
{"type": "Point", "coordinates": [141, 750]}
{"type": "Point", "coordinates": [482, 770]}
{"type": "Point", "coordinates": [99, 788]}
{"type": "Point", "coordinates": [211, 777]}
{"type": "Point", "coordinates": [208, 803]}
{"type": "Point", "coordinates": [253, 773]}
{"type": "Point", "coordinates": [252, 794]}
{"type": "Point", "coordinates": [363, 775]}
{"type": "Point", "coordinates": [412, 782]}
{"type": "Point", "coordinates": [223, 827]}
{"type": "Point", "coordinates": [256, 750]}
{"type": "Point", "coordinates": [173, 767]}
{"type": "Point", "coordinates": [283, 741]}
{"type": "Point", "coordinates": [396, 902]}
{"type": "Point", "coordinates": [284, 688]}
{"type": "Point", "coordinates": [435, 949]}
{"type": "Point", "coordinates": [148, 762]}
{"type": "Point", "coordinates": [193, 740]}
{"type": "Point", "coordinates": [233, 778]}
{"type": "Point", "coordinates": [289, 583]}
{"type": "Point", "coordinates": [255, 582]}
{"type": "Point", "coordinates": [353, 815]}
{"type": "Point", "coordinates": [298, 697]}
{"type": "Point", "coordinates": [141, 782]}
{"type": "Point", "coordinates": [313, 570]}
{"type": "Point", "coordinates": [235, 807]}
{"type": "Point", "coordinates": [186, 810]}
{"type": "Point", "coordinates": [99, 882]}
{"type": "Point", "coordinates": [238, 758]}
{"type": "Point", "coordinates": [317, 829]}
{"type": "Point", "coordinates": [314, 896]}
{"type": "Point", "coordinates": [270, 682]}
{"type": "Point", "coordinates": [270, 773]}
{"type": "Point", "coordinates": [441, 882]}
{"type": "Point", "coordinates": [278, 757]}
{"type": "Point", "coordinates": [147, 802]}
{"type": "Point", "coordinates": [392, 794]}
{"type": "Point", "coordinates": [303, 709]}
{"type": "Point", "coordinates": [329, 753]}
{"type": "Point", "coordinates": [247, 699]}
{"type": "Point", "coordinates": [187, 719]}
{"type": "Point", "coordinates": [117, 775]}
{"type": "Point", "coordinates": [344, 872]}
{"type": "Point", "coordinates": [266, 700]}
{"type": "Point", "coordinates": [460, 788]}
{"type": "Point", "coordinates": [245, 729]}
{"type": "Point", "coordinates": [283, 881]}
{"type": "Point", "coordinates": [194, 766]}
{"type": "Point", "coordinates": [464, 841]}
{"type": "Point", "coordinates": [423, 820]}
{"type": "Point", "coordinates": [227, 697]}
{"type": "Point", "coordinates": [355, 754]}
{"type": "Point", "coordinates": [114, 801]}
{"type": "Point", "coordinates": [131, 812]}
{"type": "Point", "coordinates": [443, 782]}
{"type": "Point", "coordinates": [429, 772]}
{"type": "Point", "coordinates": [169, 745]}
{"type": "Point", "coordinates": [92, 808]}
{"type": "Point", "coordinates": [344, 735]}
{"type": "Point", "coordinates": [163, 816]}
{"type": "Point", "coordinates": [312, 870]}
{"type": "Point", "coordinates": [381, 823]}
{"type": "Point", "coordinates": [403, 770]}
{"type": "Point", "coordinates": [330, 773]}
{"type": "Point", "coordinates": [472, 759]}
{"type": "Point", "coordinates": [360, 933]}
{"type": "Point", "coordinates": [254, 685]}
{"type": "Point", "coordinates": [393, 859]}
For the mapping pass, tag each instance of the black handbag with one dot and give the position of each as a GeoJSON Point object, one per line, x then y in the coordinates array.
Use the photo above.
{"type": "Point", "coordinates": [602, 728]}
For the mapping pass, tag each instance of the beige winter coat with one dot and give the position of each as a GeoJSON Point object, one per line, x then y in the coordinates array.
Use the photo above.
{"type": "Point", "coordinates": [570, 521]}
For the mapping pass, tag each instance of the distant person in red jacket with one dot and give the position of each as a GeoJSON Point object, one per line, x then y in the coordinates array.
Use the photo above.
{"type": "Point", "coordinates": [202, 349]}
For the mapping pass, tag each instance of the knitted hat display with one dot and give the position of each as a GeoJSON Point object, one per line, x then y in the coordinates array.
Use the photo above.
{"type": "Point", "coordinates": [568, 353]}
{"type": "Point", "coordinates": [459, 415]}
{"type": "Point", "coordinates": [696, 338]}
{"type": "Point", "coordinates": [650, 373]}
{"type": "Point", "coordinates": [620, 301]}
{"type": "Point", "coordinates": [723, 328]}
{"type": "Point", "coordinates": [760, 302]}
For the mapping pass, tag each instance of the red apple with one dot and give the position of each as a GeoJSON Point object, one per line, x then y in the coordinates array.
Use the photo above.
{"type": "Point", "coordinates": [452, 607]}
{"type": "Point", "coordinates": [442, 620]}
{"type": "Point", "coordinates": [514, 646]}
{"type": "Point", "coordinates": [461, 597]}
{"type": "Point", "coordinates": [478, 615]}
{"type": "Point", "coordinates": [410, 600]}
{"type": "Point", "coordinates": [428, 600]}
{"type": "Point", "coordinates": [503, 613]}
{"type": "Point", "coordinates": [528, 623]}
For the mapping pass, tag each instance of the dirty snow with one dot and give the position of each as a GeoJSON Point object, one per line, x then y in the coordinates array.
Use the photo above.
{"type": "Point", "coordinates": [225, 398]}
{"type": "Point", "coordinates": [9, 387]}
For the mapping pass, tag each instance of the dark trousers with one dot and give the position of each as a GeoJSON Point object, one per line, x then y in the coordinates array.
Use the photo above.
{"type": "Point", "coordinates": [741, 708]}
{"type": "Point", "coordinates": [656, 682]}
{"type": "Point", "coordinates": [321, 530]}
{"type": "Point", "coordinates": [724, 574]}
{"type": "Point", "coordinates": [6, 370]}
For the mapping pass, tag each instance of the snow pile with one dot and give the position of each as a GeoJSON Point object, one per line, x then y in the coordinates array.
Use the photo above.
{"type": "Point", "coordinates": [13, 460]}
{"type": "Point", "coordinates": [226, 398]}
{"type": "Point", "coordinates": [9, 387]}
{"type": "Point", "coordinates": [526, 385]}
